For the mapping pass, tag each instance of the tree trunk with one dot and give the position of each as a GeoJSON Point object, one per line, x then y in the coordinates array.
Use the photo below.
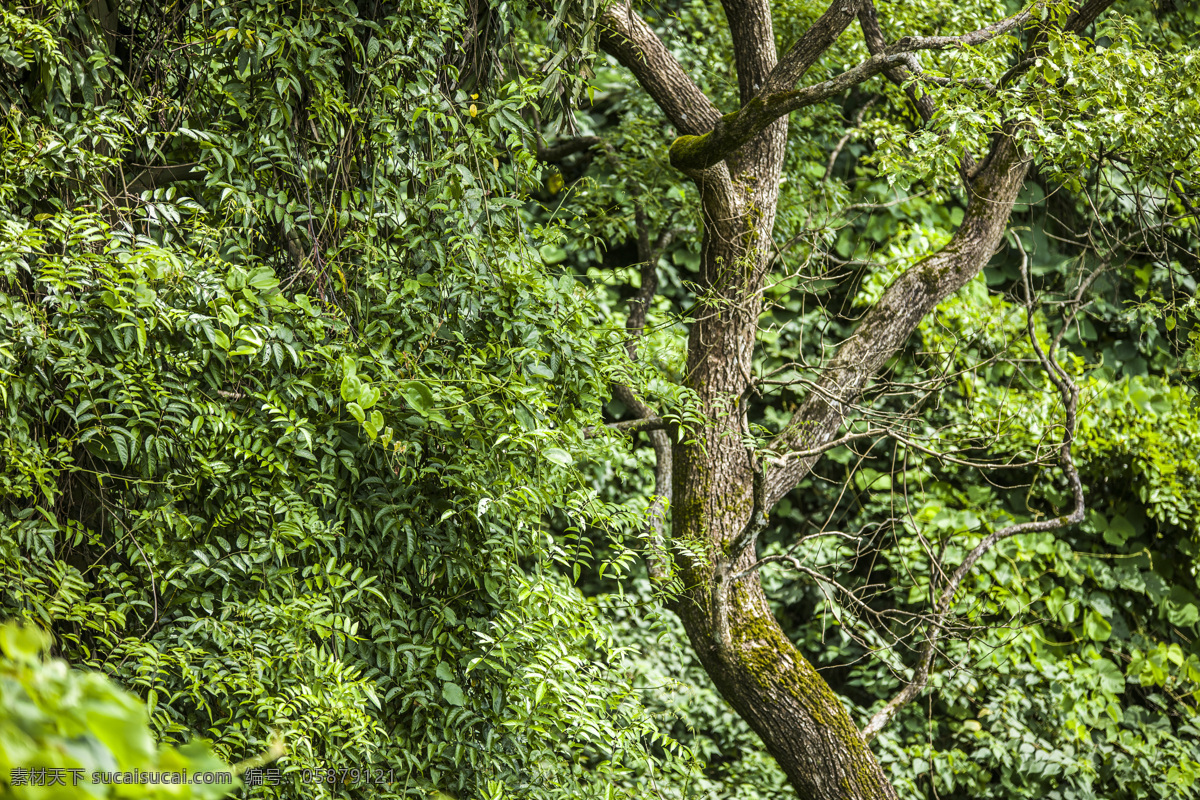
{"type": "Point", "coordinates": [729, 622]}
{"type": "Point", "coordinates": [728, 619]}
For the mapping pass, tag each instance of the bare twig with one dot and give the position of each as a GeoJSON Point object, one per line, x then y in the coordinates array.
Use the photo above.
{"type": "Point", "coordinates": [1070, 397]}
{"type": "Point", "coordinates": [816, 451]}
{"type": "Point", "coordinates": [847, 136]}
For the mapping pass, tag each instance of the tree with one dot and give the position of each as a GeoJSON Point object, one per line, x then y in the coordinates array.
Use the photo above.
{"type": "Point", "coordinates": [1013, 94]}
{"type": "Point", "coordinates": [296, 393]}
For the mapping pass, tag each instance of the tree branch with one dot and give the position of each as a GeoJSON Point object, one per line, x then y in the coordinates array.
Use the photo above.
{"type": "Point", "coordinates": [888, 325]}
{"type": "Point", "coordinates": [752, 33]}
{"type": "Point", "coordinates": [758, 513]}
{"type": "Point", "coordinates": [1087, 14]}
{"type": "Point", "coordinates": [868, 19]}
{"type": "Point", "coordinates": [648, 254]}
{"type": "Point", "coordinates": [788, 557]}
{"type": "Point", "coordinates": [629, 426]}
{"type": "Point", "coordinates": [992, 191]}
{"type": "Point", "coordinates": [734, 130]}
{"type": "Point", "coordinates": [972, 39]}
{"type": "Point", "coordinates": [810, 47]}
{"type": "Point", "coordinates": [658, 560]}
{"type": "Point", "coordinates": [1070, 397]}
{"type": "Point", "coordinates": [562, 150]}
{"type": "Point", "coordinates": [827, 446]}
{"type": "Point", "coordinates": [777, 97]}
{"type": "Point", "coordinates": [626, 36]}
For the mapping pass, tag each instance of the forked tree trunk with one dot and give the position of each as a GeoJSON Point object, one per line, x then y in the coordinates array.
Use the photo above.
{"type": "Point", "coordinates": [728, 619]}
{"type": "Point", "coordinates": [729, 623]}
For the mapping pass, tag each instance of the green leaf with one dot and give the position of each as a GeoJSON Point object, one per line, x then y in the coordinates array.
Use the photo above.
{"type": "Point", "coordinates": [1181, 607]}
{"type": "Point", "coordinates": [374, 425]}
{"type": "Point", "coordinates": [1054, 601]}
{"type": "Point", "coordinates": [121, 444]}
{"type": "Point", "coordinates": [368, 396]}
{"type": "Point", "coordinates": [263, 278]}
{"type": "Point", "coordinates": [452, 693]}
{"type": "Point", "coordinates": [558, 456]}
{"type": "Point", "coordinates": [1118, 531]}
{"type": "Point", "coordinates": [236, 280]}
{"type": "Point", "coordinates": [552, 254]}
{"type": "Point", "coordinates": [1112, 680]}
{"type": "Point", "coordinates": [1096, 627]}
{"type": "Point", "coordinates": [524, 417]}
{"type": "Point", "coordinates": [351, 387]}
{"type": "Point", "coordinates": [418, 396]}
{"type": "Point", "coordinates": [23, 643]}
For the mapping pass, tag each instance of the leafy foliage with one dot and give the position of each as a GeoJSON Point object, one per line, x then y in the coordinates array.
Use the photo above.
{"type": "Point", "coordinates": [288, 393]}
{"type": "Point", "coordinates": [293, 375]}
{"type": "Point", "coordinates": [78, 725]}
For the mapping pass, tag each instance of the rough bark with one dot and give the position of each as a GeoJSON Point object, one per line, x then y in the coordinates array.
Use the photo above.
{"type": "Point", "coordinates": [728, 621]}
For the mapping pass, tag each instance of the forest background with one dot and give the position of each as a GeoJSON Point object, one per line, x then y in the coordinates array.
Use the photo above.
{"type": "Point", "coordinates": [341, 346]}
